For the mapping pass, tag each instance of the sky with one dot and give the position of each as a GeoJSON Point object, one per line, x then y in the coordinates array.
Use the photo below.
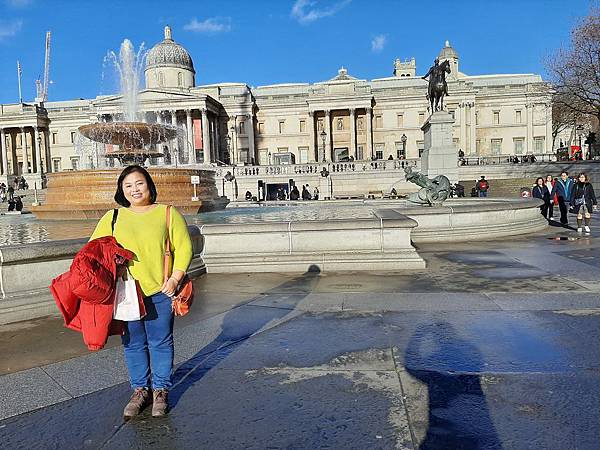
{"type": "Point", "coordinates": [263, 42]}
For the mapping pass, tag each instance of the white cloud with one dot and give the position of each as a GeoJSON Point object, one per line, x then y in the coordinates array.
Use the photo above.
{"type": "Point", "coordinates": [378, 42]}
{"type": "Point", "coordinates": [18, 3]}
{"type": "Point", "coordinates": [305, 11]}
{"type": "Point", "coordinates": [210, 25]}
{"type": "Point", "coordinates": [10, 29]}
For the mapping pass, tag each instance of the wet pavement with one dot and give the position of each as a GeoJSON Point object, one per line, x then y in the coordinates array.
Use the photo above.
{"type": "Point", "coordinates": [494, 345]}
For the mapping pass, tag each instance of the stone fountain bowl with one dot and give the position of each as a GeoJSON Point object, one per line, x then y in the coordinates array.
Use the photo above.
{"type": "Point", "coordinates": [129, 135]}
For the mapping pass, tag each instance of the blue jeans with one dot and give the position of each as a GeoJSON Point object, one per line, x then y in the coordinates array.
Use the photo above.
{"type": "Point", "coordinates": [483, 193]}
{"type": "Point", "coordinates": [149, 344]}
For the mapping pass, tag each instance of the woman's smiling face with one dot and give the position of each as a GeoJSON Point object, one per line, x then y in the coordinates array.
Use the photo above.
{"type": "Point", "coordinates": [136, 189]}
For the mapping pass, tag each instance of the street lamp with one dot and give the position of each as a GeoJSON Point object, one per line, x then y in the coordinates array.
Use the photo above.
{"type": "Point", "coordinates": [323, 138]}
{"type": "Point", "coordinates": [403, 139]}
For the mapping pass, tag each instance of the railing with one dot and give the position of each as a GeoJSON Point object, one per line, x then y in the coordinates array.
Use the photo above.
{"type": "Point", "coordinates": [506, 159]}
{"type": "Point", "coordinates": [316, 168]}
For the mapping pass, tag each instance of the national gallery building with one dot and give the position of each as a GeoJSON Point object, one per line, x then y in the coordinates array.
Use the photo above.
{"type": "Point", "coordinates": [345, 118]}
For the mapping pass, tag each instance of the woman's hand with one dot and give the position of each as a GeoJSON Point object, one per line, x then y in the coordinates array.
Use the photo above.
{"type": "Point", "coordinates": [169, 287]}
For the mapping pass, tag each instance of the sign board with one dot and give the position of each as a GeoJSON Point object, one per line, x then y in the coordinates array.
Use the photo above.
{"type": "Point", "coordinates": [195, 179]}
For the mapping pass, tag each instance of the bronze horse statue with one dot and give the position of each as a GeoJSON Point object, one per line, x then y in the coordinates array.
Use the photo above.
{"type": "Point", "coordinates": [438, 87]}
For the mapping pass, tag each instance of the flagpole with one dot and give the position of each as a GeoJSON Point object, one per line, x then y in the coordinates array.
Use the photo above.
{"type": "Point", "coordinates": [19, 78]}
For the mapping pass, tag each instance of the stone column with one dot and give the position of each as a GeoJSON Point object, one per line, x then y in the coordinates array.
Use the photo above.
{"type": "Point", "coordinates": [176, 140]}
{"type": "Point", "coordinates": [206, 138]}
{"type": "Point", "coordinates": [48, 158]}
{"type": "Point", "coordinates": [25, 152]}
{"type": "Point", "coordinates": [311, 148]}
{"type": "Point", "coordinates": [190, 137]}
{"type": "Point", "coordinates": [251, 144]}
{"type": "Point", "coordinates": [529, 141]}
{"type": "Point", "coordinates": [368, 124]}
{"type": "Point", "coordinates": [473, 140]}
{"type": "Point", "coordinates": [4, 150]}
{"type": "Point", "coordinates": [38, 151]}
{"type": "Point", "coordinates": [327, 128]}
{"type": "Point", "coordinates": [463, 127]}
{"type": "Point", "coordinates": [548, 138]}
{"type": "Point", "coordinates": [352, 151]}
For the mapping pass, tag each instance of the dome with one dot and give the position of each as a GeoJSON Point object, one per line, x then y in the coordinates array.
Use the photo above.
{"type": "Point", "coordinates": [447, 52]}
{"type": "Point", "coordinates": [168, 53]}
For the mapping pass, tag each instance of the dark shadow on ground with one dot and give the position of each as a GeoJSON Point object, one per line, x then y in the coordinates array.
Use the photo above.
{"type": "Point", "coordinates": [458, 413]}
{"type": "Point", "coordinates": [237, 327]}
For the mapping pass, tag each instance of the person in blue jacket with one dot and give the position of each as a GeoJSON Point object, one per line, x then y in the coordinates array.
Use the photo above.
{"type": "Point", "coordinates": [563, 189]}
{"type": "Point", "coordinates": [540, 191]}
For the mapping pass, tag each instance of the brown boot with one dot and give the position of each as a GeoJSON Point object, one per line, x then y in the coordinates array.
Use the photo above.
{"type": "Point", "coordinates": [160, 404]}
{"type": "Point", "coordinates": [138, 401]}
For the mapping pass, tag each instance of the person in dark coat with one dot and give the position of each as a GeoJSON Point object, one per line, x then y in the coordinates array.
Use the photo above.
{"type": "Point", "coordinates": [563, 189]}
{"type": "Point", "coordinates": [540, 191]}
{"type": "Point", "coordinates": [584, 201]}
{"type": "Point", "coordinates": [295, 194]}
{"type": "Point", "coordinates": [550, 182]}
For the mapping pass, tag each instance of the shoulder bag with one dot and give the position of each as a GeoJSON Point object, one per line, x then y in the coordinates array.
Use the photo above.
{"type": "Point", "coordinates": [184, 294]}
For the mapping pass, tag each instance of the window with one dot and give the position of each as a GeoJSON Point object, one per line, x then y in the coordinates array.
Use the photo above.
{"type": "Point", "coordinates": [55, 164]}
{"type": "Point", "coordinates": [360, 123]}
{"type": "Point", "coordinates": [242, 127]}
{"type": "Point", "coordinates": [360, 152]}
{"type": "Point", "coordinates": [303, 126]}
{"type": "Point", "coordinates": [261, 127]}
{"type": "Point", "coordinates": [378, 122]}
{"type": "Point", "coordinates": [452, 114]}
{"type": "Point", "coordinates": [400, 151]}
{"type": "Point", "coordinates": [420, 147]}
{"type": "Point", "coordinates": [179, 79]}
{"type": "Point", "coordinates": [518, 143]}
{"type": "Point", "coordinates": [72, 137]}
{"type": "Point", "coordinates": [496, 146]}
{"type": "Point", "coordinates": [303, 151]}
{"type": "Point", "coordinates": [421, 118]}
{"type": "Point", "coordinates": [400, 120]}
{"type": "Point", "coordinates": [281, 126]}
{"type": "Point", "coordinates": [538, 144]}
{"type": "Point", "coordinates": [320, 125]}
{"type": "Point", "coordinates": [282, 149]}
{"type": "Point", "coordinates": [478, 146]}
{"type": "Point", "coordinates": [19, 140]}
{"type": "Point", "coordinates": [54, 137]}
{"type": "Point", "coordinates": [379, 148]}
{"type": "Point", "coordinates": [340, 124]}
{"type": "Point", "coordinates": [263, 156]}
{"type": "Point", "coordinates": [244, 156]}
{"type": "Point", "coordinates": [518, 116]}
{"type": "Point", "coordinates": [496, 118]}
{"type": "Point", "coordinates": [75, 162]}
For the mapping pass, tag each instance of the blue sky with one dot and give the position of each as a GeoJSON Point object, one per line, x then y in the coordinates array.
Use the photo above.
{"type": "Point", "coordinates": [276, 41]}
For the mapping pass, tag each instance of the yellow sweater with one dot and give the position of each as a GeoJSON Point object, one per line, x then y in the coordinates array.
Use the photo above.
{"type": "Point", "coordinates": [144, 234]}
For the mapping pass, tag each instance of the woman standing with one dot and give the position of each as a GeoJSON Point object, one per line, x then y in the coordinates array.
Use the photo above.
{"type": "Point", "coordinates": [584, 201]}
{"type": "Point", "coordinates": [141, 228]}
{"type": "Point", "coordinates": [540, 191]}
{"type": "Point", "coordinates": [553, 198]}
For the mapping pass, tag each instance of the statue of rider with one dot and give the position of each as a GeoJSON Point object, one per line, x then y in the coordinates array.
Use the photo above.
{"type": "Point", "coordinates": [436, 74]}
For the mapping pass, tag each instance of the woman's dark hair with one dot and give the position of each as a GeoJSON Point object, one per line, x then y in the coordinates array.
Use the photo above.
{"type": "Point", "coordinates": [120, 195]}
{"type": "Point", "coordinates": [585, 175]}
{"type": "Point", "coordinates": [538, 179]}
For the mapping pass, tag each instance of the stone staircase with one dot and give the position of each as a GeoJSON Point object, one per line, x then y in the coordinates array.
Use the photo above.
{"type": "Point", "coordinates": [507, 187]}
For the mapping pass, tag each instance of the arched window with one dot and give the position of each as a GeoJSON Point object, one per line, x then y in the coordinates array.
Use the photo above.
{"type": "Point", "coordinates": [179, 79]}
{"type": "Point", "coordinates": [161, 79]}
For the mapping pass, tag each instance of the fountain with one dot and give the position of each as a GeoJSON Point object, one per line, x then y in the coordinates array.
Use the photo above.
{"type": "Point", "coordinates": [88, 194]}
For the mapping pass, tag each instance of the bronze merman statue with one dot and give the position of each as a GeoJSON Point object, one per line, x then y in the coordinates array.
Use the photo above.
{"type": "Point", "coordinates": [434, 191]}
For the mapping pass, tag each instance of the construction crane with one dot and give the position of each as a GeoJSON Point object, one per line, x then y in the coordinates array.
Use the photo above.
{"type": "Point", "coordinates": [42, 86]}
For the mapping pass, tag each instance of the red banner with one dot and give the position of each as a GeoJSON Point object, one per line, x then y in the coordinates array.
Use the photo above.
{"type": "Point", "coordinates": [198, 134]}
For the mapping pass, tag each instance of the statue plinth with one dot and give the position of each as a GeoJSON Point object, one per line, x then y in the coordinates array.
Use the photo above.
{"type": "Point", "coordinates": [439, 156]}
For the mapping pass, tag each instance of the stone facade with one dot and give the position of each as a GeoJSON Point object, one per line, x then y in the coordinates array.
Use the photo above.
{"type": "Point", "coordinates": [342, 119]}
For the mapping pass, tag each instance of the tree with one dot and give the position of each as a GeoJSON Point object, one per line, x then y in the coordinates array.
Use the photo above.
{"type": "Point", "coordinates": [575, 71]}
{"type": "Point", "coordinates": [566, 118]}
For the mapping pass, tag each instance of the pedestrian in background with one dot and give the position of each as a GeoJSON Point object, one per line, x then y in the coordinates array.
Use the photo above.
{"type": "Point", "coordinates": [584, 202]}
{"type": "Point", "coordinates": [540, 191]}
{"type": "Point", "coordinates": [550, 182]}
{"type": "Point", "coordinates": [482, 187]}
{"type": "Point", "coordinates": [141, 227]}
{"type": "Point", "coordinates": [563, 189]}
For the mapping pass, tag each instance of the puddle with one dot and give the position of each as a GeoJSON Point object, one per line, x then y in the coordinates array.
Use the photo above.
{"type": "Point", "coordinates": [563, 238]}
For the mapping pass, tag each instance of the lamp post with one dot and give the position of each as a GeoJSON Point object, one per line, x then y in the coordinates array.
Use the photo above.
{"type": "Point", "coordinates": [403, 139]}
{"type": "Point", "coordinates": [323, 138]}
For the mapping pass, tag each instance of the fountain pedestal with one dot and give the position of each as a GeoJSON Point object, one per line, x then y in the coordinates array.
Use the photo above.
{"type": "Point", "coordinates": [440, 154]}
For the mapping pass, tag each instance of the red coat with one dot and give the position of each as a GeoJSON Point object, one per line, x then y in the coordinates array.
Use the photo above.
{"type": "Point", "coordinates": [85, 294]}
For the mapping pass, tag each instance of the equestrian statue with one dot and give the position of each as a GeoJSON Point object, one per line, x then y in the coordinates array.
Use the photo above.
{"type": "Point", "coordinates": [438, 87]}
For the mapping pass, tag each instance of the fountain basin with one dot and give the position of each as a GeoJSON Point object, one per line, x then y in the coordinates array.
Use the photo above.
{"type": "Point", "coordinates": [88, 194]}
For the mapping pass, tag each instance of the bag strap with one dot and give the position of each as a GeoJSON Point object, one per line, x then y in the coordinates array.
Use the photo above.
{"type": "Point", "coordinates": [167, 259]}
{"type": "Point", "coordinates": [114, 220]}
